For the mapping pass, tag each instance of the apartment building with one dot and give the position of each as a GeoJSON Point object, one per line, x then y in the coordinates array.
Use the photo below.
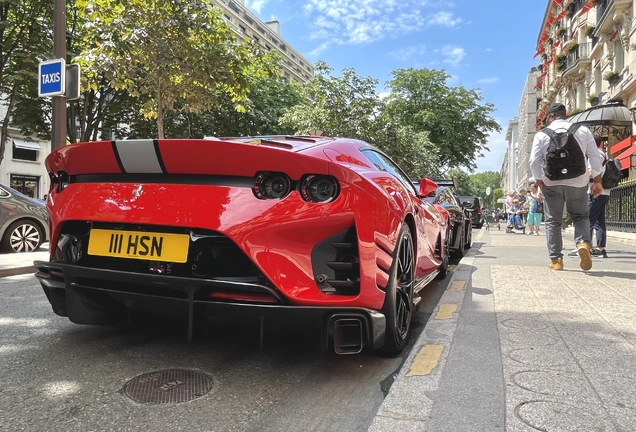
{"type": "Point", "coordinates": [587, 52]}
{"type": "Point", "coordinates": [267, 34]}
{"type": "Point", "coordinates": [512, 138]}
{"type": "Point", "coordinates": [23, 165]}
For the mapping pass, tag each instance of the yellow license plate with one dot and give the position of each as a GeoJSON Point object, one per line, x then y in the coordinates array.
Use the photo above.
{"type": "Point", "coordinates": [139, 245]}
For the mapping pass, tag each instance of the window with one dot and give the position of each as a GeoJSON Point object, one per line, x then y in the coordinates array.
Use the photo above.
{"type": "Point", "coordinates": [242, 29]}
{"type": "Point", "coordinates": [256, 39]}
{"type": "Point", "coordinates": [25, 150]}
{"type": "Point", "coordinates": [267, 47]}
{"type": "Point", "coordinates": [383, 163]}
{"type": "Point", "coordinates": [28, 185]}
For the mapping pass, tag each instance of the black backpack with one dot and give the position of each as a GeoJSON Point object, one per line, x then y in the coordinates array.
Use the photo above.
{"type": "Point", "coordinates": [564, 158]}
{"type": "Point", "coordinates": [612, 175]}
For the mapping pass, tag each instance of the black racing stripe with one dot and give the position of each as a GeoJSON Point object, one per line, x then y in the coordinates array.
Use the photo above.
{"type": "Point", "coordinates": [121, 165]}
{"type": "Point", "coordinates": [191, 179]}
{"type": "Point", "coordinates": [159, 158]}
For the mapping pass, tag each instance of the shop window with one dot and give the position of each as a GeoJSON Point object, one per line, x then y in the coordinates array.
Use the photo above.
{"type": "Point", "coordinates": [28, 185]}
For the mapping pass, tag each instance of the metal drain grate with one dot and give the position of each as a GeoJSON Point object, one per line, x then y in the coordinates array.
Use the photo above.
{"type": "Point", "coordinates": [169, 386]}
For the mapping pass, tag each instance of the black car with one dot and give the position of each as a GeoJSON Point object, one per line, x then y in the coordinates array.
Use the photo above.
{"type": "Point", "coordinates": [460, 224]}
{"type": "Point", "coordinates": [23, 221]}
{"type": "Point", "coordinates": [474, 205]}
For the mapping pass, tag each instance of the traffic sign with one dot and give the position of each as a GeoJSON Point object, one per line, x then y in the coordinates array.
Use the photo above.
{"type": "Point", "coordinates": [51, 78]}
{"type": "Point", "coordinates": [488, 191]}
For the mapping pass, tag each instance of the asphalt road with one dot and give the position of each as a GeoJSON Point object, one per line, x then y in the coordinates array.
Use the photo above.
{"type": "Point", "coordinates": [59, 376]}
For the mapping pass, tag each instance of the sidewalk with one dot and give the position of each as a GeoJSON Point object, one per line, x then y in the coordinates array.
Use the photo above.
{"type": "Point", "coordinates": [514, 346]}
{"type": "Point", "coordinates": [12, 264]}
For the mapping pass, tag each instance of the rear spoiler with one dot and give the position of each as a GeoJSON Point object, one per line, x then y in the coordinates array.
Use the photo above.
{"type": "Point", "coordinates": [447, 183]}
{"type": "Point", "coordinates": [182, 156]}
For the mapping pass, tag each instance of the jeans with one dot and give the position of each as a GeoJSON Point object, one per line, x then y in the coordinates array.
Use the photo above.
{"type": "Point", "coordinates": [514, 220]}
{"type": "Point", "coordinates": [553, 204]}
{"type": "Point", "coordinates": [596, 208]}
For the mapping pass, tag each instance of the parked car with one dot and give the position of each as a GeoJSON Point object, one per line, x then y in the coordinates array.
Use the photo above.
{"type": "Point", "coordinates": [460, 227]}
{"type": "Point", "coordinates": [23, 221]}
{"type": "Point", "coordinates": [290, 230]}
{"type": "Point", "coordinates": [476, 208]}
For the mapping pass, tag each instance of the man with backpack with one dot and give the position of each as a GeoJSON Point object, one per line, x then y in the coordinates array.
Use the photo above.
{"type": "Point", "coordinates": [559, 158]}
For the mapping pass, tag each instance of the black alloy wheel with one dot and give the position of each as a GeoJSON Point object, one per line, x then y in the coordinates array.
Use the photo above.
{"type": "Point", "coordinates": [398, 303]}
{"type": "Point", "coordinates": [445, 256]}
{"type": "Point", "coordinates": [460, 251]}
{"type": "Point", "coordinates": [22, 236]}
{"type": "Point", "coordinates": [469, 238]}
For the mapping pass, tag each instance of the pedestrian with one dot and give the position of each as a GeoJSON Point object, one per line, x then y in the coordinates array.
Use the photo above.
{"type": "Point", "coordinates": [523, 202]}
{"type": "Point", "coordinates": [535, 205]}
{"type": "Point", "coordinates": [511, 196]}
{"type": "Point", "coordinates": [514, 218]}
{"type": "Point", "coordinates": [572, 192]}
{"type": "Point", "coordinates": [596, 208]}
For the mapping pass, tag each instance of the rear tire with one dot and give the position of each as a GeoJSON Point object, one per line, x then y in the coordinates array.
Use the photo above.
{"type": "Point", "coordinates": [22, 236]}
{"type": "Point", "coordinates": [443, 268]}
{"type": "Point", "coordinates": [459, 253]}
{"type": "Point", "coordinates": [398, 303]}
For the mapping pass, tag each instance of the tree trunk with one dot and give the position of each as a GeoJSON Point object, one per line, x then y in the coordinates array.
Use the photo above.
{"type": "Point", "coordinates": [159, 110]}
{"type": "Point", "coordinates": [4, 130]}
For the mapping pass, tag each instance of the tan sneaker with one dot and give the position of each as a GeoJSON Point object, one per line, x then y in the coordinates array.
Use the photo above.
{"type": "Point", "coordinates": [585, 257]}
{"type": "Point", "coordinates": [556, 264]}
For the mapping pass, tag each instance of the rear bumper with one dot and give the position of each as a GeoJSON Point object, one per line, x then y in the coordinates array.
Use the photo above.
{"type": "Point", "coordinates": [100, 296]}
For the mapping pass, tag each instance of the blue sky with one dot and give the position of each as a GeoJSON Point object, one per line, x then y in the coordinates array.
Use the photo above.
{"type": "Point", "coordinates": [482, 44]}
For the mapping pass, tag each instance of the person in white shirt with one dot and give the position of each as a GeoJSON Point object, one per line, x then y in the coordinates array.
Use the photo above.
{"type": "Point", "coordinates": [571, 192]}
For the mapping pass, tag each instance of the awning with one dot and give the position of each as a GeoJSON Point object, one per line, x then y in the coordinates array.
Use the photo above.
{"type": "Point", "coordinates": [625, 157]}
{"type": "Point", "coordinates": [538, 53]}
{"type": "Point", "coordinates": [622, 144]}
{"type": "Point", "coordinates": [27, 145]}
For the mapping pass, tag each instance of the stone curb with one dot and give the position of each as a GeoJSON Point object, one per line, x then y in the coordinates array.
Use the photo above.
{"type": "Point", "coordinates": [17, 271]}
{"type": "Point", "coordinates": [407, 407]}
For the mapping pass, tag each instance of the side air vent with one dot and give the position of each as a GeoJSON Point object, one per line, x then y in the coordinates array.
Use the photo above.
{"type": "Point", "coordinates": [336, 264]}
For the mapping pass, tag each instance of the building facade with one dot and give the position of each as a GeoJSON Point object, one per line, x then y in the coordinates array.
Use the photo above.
{"type": "Point", "coordinates": [588, 59]}
{"type": "Point", "coordinates": [22, 167]}
{"type": "Point", "coordinates": [267, 34]}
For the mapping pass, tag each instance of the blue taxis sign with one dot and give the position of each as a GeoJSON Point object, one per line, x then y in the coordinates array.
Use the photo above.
{"type": "Point", "coordinates": [51, 77]}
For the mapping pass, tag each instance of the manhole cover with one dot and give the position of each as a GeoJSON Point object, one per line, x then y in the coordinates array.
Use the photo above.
{"type": "Point", "coordinates": [169, 386]}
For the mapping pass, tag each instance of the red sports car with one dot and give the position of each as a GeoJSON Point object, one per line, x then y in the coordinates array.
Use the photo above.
{"type": "Point", "coordinates": [320, 231]}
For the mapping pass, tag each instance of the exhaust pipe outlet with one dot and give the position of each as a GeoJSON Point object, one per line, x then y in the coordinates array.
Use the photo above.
{"type": "Point", "coordinates": [348, 336]}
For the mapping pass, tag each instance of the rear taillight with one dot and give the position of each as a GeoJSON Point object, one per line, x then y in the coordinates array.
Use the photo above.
{"type": "Point", "coordinates": [272, 185]}
{"type": "Point", "coordinates": [319, 188]}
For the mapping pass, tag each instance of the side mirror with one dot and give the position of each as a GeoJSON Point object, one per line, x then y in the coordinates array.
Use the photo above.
{"type": "Point", "coordinates": [427, 186]}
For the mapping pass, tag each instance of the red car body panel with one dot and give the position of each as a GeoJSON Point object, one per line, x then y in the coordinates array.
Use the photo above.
{"type": "Point", "coordinates": [108, 183]}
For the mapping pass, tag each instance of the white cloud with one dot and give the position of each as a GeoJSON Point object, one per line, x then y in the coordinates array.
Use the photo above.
{"type": "Point", "coordinates": [452, 55]}
{"type": "Point", "coordinates": [365, 21]}
{"type": "Point", "coordinates": [493, 160]}
{"type": "Point", "coordinates": [488, 80]}
{"type": "Point", "coordinates": [444, 19]}
{"type": "Point", "coordinates": [315, 53]}
{"type": "Point", "coordinates": [409, 52]}
{"type": "Point", "coordinates": [256, 5]}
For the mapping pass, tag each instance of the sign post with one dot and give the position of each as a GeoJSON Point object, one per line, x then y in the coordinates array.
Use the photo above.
{"type": "Point", "coordinates": [52, 78]}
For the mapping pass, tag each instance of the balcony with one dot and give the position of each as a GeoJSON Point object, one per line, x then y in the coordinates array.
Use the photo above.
{"type": "Point", "coordinates": [578, 56]}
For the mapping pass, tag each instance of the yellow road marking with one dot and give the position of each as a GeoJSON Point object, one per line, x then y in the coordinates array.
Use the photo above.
{"type": "Point", "coordinates": [480, 235]}
{"type": "Point", "coordinates": [457, 285]}
{"type": "Point", "coordinates": [446, 311]}
{"type": "Point", "coordinates": [426, 360]}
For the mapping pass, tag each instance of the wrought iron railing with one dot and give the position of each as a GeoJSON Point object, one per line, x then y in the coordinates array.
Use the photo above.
{"type": "Point", "coordinates": [582, 51]}
{"type": "Point", "coordinates": [620, 213]}
{"type": "Point", "coordinates": [601, 7]}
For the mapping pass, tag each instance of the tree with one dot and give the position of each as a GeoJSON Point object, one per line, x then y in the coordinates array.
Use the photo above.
{"type": "Point", "coordinates": [454, 117]}
{"type": "Point", "coordinates": [345, 106]}
{"type": "Point", "coordinates": [483, 180]}
{"type": "Point", "coordinates": [168, 53]}
{"type": "Point", "coordinates": [464, 183]}
{"type": "Point", "coordinates": [25, 35]}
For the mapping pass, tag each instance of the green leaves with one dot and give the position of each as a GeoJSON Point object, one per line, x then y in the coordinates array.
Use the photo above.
{"type": "Point", "coordinates": [425, 126]}
{"type": "Point", "coordinates": [169, 52]}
